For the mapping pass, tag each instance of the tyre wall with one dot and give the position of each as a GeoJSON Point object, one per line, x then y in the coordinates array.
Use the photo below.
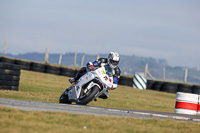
{"type": "Point", "coordinates": [124, 80]}
{"type": "Point", "coordinates": [172, 87]}
{"type": "Point", "coordinates": [40, 67]}
{"type": "Point", "coordinates": [9, 76]}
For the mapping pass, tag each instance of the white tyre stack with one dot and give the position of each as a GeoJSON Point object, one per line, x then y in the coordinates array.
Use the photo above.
{"type": "Point", "coordinates": [186, 103]}
{"type": "Point", "coordinates": [198, 111]}
{"type": "Point", "coordinates": [139, 81]}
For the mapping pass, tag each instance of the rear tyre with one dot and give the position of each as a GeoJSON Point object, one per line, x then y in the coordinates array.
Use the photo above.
{"type": "Point", "coordinates": [64, 98]}
{"type": "Point", "coordinates": [89, 97]}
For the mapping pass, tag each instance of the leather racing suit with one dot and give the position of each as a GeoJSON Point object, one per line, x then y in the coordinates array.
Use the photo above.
{"type": "Point", "coordinates": [100, 62]}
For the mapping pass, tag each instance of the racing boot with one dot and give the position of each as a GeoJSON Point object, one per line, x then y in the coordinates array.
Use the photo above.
{"type": "Point", "coordinates": [104, 95]}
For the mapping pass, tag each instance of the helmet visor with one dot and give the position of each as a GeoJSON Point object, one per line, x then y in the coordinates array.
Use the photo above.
{"type": "Point", "coordinates": [114, 63]}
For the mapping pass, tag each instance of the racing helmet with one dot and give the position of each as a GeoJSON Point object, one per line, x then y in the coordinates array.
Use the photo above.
{"type": "Point", "coordinates": [113, 59]}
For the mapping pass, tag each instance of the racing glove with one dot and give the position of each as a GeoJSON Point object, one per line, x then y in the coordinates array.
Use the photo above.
{"type": "Point", "coordinates": [92, 65]}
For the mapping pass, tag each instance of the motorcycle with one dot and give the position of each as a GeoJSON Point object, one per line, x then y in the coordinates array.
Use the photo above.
{"type": "Point", "coordinates": [89, 87]}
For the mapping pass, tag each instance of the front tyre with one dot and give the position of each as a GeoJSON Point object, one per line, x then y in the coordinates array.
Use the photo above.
{"type": "Point", "coordinates": [64, 98]}
{"type": "Point", "coordinates": [86, 98]}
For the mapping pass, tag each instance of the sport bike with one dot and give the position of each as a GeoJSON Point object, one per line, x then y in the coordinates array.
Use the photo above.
{"type": "Point", "coordinates": [90, 86]}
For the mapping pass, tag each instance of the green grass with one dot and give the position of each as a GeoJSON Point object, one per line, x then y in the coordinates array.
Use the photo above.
{"type": "Point", "coordinates": [48, 88]}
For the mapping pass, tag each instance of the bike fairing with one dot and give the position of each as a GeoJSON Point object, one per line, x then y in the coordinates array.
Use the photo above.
{"type": "Point", "coordinates": [92, 89]}
{"type": "Point", "coordinates": [116, 72]}
{"type": "Point", "coordinates": [112, 60]}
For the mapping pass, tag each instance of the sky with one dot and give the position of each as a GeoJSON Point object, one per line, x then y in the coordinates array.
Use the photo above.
{"type": "Point", "coordinates": [160, 29]}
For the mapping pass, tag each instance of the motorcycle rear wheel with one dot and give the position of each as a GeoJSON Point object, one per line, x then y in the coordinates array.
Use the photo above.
{"type": "Point", "coordinates": [89, 97]}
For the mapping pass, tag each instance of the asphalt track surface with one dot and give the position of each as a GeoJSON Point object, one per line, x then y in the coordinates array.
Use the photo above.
{"type": "Point", "coordinates": [91, 110]}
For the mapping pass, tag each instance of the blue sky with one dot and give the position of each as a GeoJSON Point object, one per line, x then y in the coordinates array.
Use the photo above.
{"type": "Point", "coordinates": [161, 29]}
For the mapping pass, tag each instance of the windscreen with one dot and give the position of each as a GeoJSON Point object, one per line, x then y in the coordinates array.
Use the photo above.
{"type": "Point", "coordinates": [109, 70]}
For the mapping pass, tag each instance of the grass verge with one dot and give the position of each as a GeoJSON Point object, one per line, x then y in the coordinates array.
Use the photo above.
{"type": "Point", "coordinates": [48, 88]}
{"type": "Point", "coordinates": [18, 121]}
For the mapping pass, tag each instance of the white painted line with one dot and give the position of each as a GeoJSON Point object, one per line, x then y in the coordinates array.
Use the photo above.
{"type": "Point", "coordinates": [158, 115]}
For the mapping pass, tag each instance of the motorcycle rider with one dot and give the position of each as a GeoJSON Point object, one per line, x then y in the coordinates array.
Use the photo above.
{"type": "Point", "coordinates": [112, 60]}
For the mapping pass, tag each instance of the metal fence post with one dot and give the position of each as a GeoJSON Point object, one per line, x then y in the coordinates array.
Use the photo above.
{"type": "Point", "coordinates": [46, 56]}
{"type": "Point", "coordinates": [145, 71]}
{"type": "Point", "coordinates": [60, 59]}
{"type": "Point", "coordinates": [4, 49]}
{"type": "Point", "coordinates": [75, 56]}
{"type": "Point", "coordinates": [97, 57]}
{"type": "Point", "coordinates": [186, 74]}
{"type": "Point", "coordinates": [163, 74]}
{"type": "Point", "coordinates": [82, 62]}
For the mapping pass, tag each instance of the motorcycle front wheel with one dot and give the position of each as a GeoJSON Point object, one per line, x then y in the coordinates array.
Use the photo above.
{"type": "Point", "coordinates": [86, 98]}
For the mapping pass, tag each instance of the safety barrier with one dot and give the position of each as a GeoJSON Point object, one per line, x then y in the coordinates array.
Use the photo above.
{"type": "Point", "coordinates": [187, 103]}
{"type": "Point", "coordinates": [54, 69]}
{"type": "Point", "coordinates": [124, 80]}
{"type": "Point", "coordinates": [172, 87]}
{"type": "Point", "coordinates": [198, 110]}
{"type": "Point", "coordinates": [9, 76]}
{"type": "Point", "coordinates": [139, 81]}
{"type": "Point", "coordinates": [40, 67]}
{"type": "Point", "coordinates": [169, 87]}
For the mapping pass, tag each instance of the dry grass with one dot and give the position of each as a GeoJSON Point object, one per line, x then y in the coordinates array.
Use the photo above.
{"type": "Point", "coordinates": [48, 88]}
{"type": "Point", "coordinates": [129, 98]}
{"type": "Point", "coordinates": [38, 87]}
{"type": "Point", "coordinates": [18, 121]}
